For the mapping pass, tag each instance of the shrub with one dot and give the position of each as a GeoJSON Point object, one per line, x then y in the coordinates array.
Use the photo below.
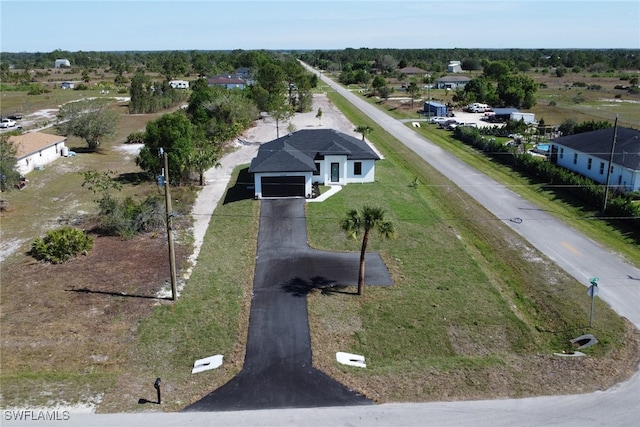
{"type": "Point", "coordinates": [60, 245]}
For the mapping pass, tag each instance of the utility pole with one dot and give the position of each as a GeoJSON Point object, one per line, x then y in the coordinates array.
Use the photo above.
{"type": "Point", "coordinates": [172, 253]}
{"type": "Point", "coordinates": [613, 148]}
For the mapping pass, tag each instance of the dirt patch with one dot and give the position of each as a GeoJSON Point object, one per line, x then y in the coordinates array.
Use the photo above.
{"type": "Point", "coordinates": [81, 316]}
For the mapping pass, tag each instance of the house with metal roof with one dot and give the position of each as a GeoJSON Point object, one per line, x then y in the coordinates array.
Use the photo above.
{"type": "Point", "coordinates": [289, 166]}
{"type": "Point", "coordinates": [595, 155]}
{"type": "Point", "coordinates": [452, 82]}
{"type": "Point", "coordinates": [34, 150]}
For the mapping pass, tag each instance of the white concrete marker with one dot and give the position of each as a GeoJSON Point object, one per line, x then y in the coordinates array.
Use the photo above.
{"type": "Point", "coordinates": [207, 363]}
{"type": "Point", "coordinates": [351, 359]}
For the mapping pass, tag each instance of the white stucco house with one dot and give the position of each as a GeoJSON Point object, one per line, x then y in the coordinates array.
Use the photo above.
{"type": "Point", "coordinates": [589, 154]}
{"type": "Point", "coordinates": [35, 150]}
{"type": "Point", "coordinates": [289, 166]}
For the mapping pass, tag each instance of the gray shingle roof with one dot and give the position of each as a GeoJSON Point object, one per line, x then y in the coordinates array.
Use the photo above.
{"type": "Point", "coordinates": [598, 144]}
{"type": "Point", "coordinates": [297, 151]}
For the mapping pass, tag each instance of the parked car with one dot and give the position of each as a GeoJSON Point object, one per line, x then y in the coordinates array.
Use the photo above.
{"type": "Point", "coordinates": [7, 123]}
{"type": "Point", "coordinates": [438, 119]}
{"type": "Point", "coordinates": [448, 123]}
{"type": "Point", "coordinates": [15, 117]}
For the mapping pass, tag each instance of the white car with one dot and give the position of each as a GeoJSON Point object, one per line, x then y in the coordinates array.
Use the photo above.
{"type": "Point", "coordinates": [438, 120]}
{"type": "Point", "coordinates": [7, 123]}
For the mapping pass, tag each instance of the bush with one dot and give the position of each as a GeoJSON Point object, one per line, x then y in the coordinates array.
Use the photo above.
{"type": "Point", "coordinates": [60, 245]}
{"type": "Point", "coordinates": [126, 218]}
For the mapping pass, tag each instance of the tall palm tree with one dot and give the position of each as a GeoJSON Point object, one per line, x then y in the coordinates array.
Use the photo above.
{"type": "Point", "coordinates": [364, 130]}
{"type": "Point", "coordinates": [364, 221]}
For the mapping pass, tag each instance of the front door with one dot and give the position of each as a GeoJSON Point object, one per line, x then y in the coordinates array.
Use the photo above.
{"type": "Point", "coordinates": [335, 172]}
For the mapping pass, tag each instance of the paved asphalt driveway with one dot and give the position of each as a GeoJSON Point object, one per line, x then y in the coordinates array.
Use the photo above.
{"type": "Point", "coordinates": [277, 371]}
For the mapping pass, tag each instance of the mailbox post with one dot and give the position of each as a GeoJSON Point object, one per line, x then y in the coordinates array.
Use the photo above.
{"type": "Point", "coordinates": [592, 292]}
{"type": "Point", "coordinates": [157, 387]}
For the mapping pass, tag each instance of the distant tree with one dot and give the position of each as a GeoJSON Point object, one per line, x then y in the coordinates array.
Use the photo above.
{"type": "Point", "coordinates": [591, 125]}
{"type": "Point", "coordinates": [471, 64]}
{"type": "Point", "coordinates": [364, 130]}
{"type": "Point", "coordinates": [203, 159]}
{"type": "Point", "coordinates": [9, 175]}
{"type": "Point", "coordinates": [385, 92]}
{"type": "Point", "coordinates": [567, 127]}
{"type": "Point", "coordinates": [90, 120]}
{"type": "Point", "coordinates": [517, 90]}
{"type": "Point", "coordinates": [378, 83]}
{"type": "Point", "coordinates": [362, 222]}
{"type": "Point", "coordinates": [496, 70]}
{"type": "Point", "coordinates": [414, 90]}
{"type": "Point", "coordinates": [175, 134]}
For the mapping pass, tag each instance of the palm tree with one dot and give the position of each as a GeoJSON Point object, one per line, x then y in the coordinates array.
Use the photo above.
{"type": "Point", "coordinates": [364, 221]}
{"type": "Point", "coordinates": [364, 130]}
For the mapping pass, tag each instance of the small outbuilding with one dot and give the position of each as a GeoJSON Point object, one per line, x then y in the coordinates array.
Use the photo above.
{"type": "Point", "coordinates": [434, 109]}
{"type": "Point", "coordinates": [36, 149]}
{"type": "Point", "coordinates": [60, 63]}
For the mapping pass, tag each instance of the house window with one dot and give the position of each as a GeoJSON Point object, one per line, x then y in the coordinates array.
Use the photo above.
{"type": "Point", "coordinates": [357, 168]}
{"type": "Point", "coordinates": [561, 153]}
{"type": "Point", "coordinates": [575, 158]}
{"type": "Point", "coordinates": [601, 168]}
{"type": "Point", "coordinates": [589, 162]}
{"type": "Point", "coordinates": [317, 171]}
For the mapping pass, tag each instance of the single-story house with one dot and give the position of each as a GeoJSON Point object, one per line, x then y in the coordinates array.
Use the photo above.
{"type": "Point", "coordinates": [230, 82]}
{"type": "Point", "coordinates": [452, 82]}
{"type": "Point", "coordinates": [35, 149]}
{"type": "Point", "coordinates": [289, 166]}
{"type": "Point", "coordinates": [413, 71]}
{"type": "Point", "coordinates": [454, 67]}
{"type": "Point", "coordinates": [588, 154]}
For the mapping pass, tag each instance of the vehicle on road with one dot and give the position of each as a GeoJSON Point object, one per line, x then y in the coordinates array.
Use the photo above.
{"type": "Point", "coordinates": [15, 117]}
{"type": "Point", "coordinates": [7, 123]}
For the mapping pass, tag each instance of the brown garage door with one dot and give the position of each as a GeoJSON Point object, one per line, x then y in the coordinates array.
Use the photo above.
{"type": "Point", "coordinates": [283, 186]}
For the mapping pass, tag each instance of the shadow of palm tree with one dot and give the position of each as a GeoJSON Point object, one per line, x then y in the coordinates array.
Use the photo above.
{"type": "Point", "coordinates": [300, 287]}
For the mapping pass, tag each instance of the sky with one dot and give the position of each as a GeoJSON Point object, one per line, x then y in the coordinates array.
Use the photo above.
{"type": "Point", "coordinates": [109, 25]}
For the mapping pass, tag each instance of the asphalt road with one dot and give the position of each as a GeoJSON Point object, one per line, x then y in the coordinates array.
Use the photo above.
{"type": "Point", "coordinates": [278, 371]}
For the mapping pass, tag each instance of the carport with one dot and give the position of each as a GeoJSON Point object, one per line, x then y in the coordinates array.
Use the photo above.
{"type": "Point", "coordinates": [283, 186]}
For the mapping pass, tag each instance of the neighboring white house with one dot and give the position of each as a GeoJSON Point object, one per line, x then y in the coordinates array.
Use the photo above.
{"type": "Point", "coordinates": [35, 149]}
{"type": "Point", "coordinates": [290, 165]}
{"type": "Point", "coordinates": [452, 82]}
{"type": "Point", "coordinates": [62, 63]}
{"type": "Point", "coordinates": [588, 154]}
{"type": "Point", "coordinates": [179, 84]}
{"type": "Point", "coordinates": [454, 67]}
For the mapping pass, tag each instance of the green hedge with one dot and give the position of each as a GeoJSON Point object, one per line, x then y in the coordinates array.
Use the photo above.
{"type": "Point", "coordinates": [620, 204]}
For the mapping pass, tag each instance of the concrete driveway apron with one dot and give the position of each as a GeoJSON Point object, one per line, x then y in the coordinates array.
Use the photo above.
{"type": "Point", "coordinates": [277, 371]}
